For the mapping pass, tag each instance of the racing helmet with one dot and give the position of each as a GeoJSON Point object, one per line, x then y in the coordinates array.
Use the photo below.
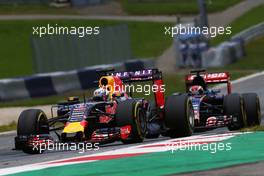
{"type": "Point", "coordinates": [101, 94]}
{"type": "Point", "coordinates": [196, 90]}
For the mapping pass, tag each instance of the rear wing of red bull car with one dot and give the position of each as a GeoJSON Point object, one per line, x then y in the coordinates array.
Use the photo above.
{"type": "Point", "coordinates": [145, 75]}
{"type": "Point", "coordinates": [200, 77]}
{"type": "Point", "coordinates": [134, 76]}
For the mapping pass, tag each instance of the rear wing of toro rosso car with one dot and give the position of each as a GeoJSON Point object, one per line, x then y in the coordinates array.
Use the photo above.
{"type": "Point", "coordinates": [200, 77]}
{"type": "Point", "coordinates": [129, 77]}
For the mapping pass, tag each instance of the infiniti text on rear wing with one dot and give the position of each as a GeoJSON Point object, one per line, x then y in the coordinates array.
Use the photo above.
{"type": "Point", "coordinates": [137, 76]}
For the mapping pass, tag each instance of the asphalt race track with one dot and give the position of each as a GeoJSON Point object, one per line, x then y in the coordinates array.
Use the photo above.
{"type": "Point", "coordinates": [10, 158]}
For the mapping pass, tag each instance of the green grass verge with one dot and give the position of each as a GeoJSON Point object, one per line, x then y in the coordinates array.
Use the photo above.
{"type": "Point", "coordinates": [147, 40]}
{"type": "Point", "coordinates": [249, 19]}
{"type": "Point", "coordinates": [47, 100]}
{"type": "Point", "coordinates": [9, 127]}
{"type": "Point", "coordinates": [252, 62]}
{"type": "Point", "coordinates": [254, 128]}
{"type": "Point", "coordinates": [254, 58]}
{"type": "Point", "coordinates": [171, 7]}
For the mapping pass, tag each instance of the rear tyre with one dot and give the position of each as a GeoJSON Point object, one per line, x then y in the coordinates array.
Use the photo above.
{"type": "Point", "coordinates": [31, 122]}
{"type": "Point", "coordinates": [179, 116]}
{"type": "Point", "coordinates": [252, 108]}
{"type": "Point", "coordinates": [234, 106]}
{"type": "Point", "coordinates": [131, 112]}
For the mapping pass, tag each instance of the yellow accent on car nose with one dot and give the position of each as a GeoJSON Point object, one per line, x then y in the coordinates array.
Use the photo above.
{"type": "Point", "coordinates": [73, 127]}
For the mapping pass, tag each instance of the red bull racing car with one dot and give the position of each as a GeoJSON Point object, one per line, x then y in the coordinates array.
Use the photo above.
{"type": "Point", "coordinates": [213, 109]}
{"type": "Point", "coordinates": [110, 115]}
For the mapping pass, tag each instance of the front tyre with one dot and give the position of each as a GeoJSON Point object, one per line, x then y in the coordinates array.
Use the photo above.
{"type": "Point", "coordinates": [132, 113]}
{"type": "Point", "coordinates": [252, 108]}
{"type": "Point", "coordinates": [179, 116]}
{"type": "Point", "coordinates": [31, 122]}
{"type": "Point", "coordinates": [234, 107]}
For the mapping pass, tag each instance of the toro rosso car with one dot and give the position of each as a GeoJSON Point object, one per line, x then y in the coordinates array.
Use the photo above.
{"type": "Point", "coordinates": [110, 115]}
{"type": "Point", "coordinates": [213, 109]}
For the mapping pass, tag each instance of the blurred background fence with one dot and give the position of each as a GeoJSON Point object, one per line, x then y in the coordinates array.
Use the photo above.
{"type": "Point", "coordinates": [68, 52]}
{"type": "Point", "coordinates": [151, 1]}
{"type": "Point", "coordinates": [86, 2]}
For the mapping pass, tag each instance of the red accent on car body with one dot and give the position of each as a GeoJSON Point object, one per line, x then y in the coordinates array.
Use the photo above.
{"type": "Point", "coordinates": [104, 119]}
{"type": "Point", "coordinates": [84, 123]}
{"type": "Point", "coordinates": [159, 94]}
{"type": "Point", "coordinates": [125, 131]}
{"type": "Point", "coordinates": [211, 78]}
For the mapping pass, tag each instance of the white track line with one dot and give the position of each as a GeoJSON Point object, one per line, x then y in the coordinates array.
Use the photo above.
{"type": "Point", "coordinates": [245, 78]}
{"type": "Point", "coordinates": [242, 79]}
{"type": "Point", "coordinates": [8, 132]}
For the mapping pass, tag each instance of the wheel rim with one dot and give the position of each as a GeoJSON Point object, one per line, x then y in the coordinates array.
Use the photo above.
{"type": "Point", "coordinates": [191, 116]}
{"type": "Point", "coordinates": [243, 114]}
{"type": "Point", "coordinates": [43, 124]}
{"type": "Point", "coordinates": [142, 120]}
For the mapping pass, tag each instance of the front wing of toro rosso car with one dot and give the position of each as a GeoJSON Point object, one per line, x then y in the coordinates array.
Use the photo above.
{"type": "Point", "coordinates": [213, 109]}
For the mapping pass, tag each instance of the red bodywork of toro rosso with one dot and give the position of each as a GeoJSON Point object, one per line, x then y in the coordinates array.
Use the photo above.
{"type": "Point", "coordinates": [209, 78]}
{"type": "Point", "coordinates": [213, 109]}
{"type": "Point", "coordinates": [208, 103]}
